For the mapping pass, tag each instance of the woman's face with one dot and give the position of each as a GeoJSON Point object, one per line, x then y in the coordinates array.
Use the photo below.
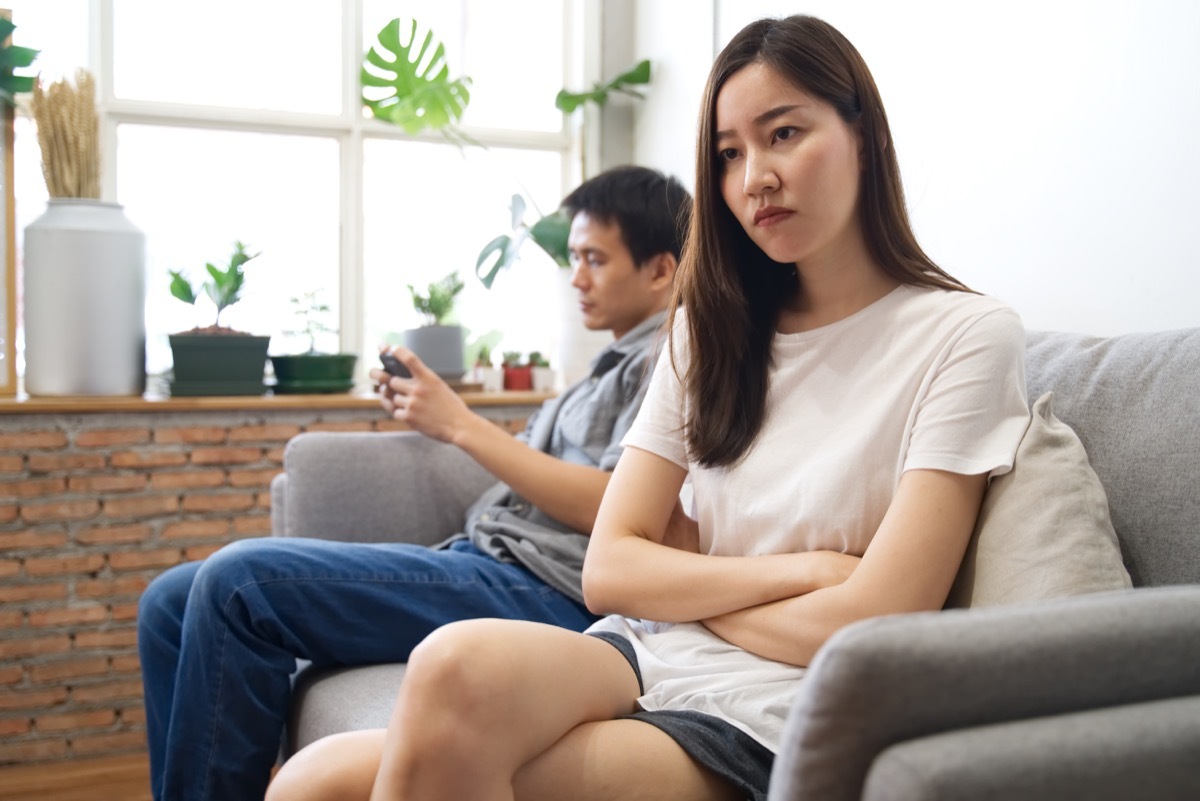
{"type": "Point", "coordinates": [788, 167]}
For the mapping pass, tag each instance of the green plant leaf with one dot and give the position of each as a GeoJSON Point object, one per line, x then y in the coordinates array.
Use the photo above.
{"type": "Point", "coordinates": [638, 75]}
{"type": "Point", "coordinates": [551, 233]}
{"type": "Point", "coordinates": [501, 245]}
{"type": "Point", "coordinates": [182, 288]}
{"type": "Point", "coordinates": [438, 301]}
{"type": "Point", "coordinates": [518, 211]}
{"type": "Point", "coordinates": [419, 93]}
{"type": "Point", "coordinates": [14, 56]}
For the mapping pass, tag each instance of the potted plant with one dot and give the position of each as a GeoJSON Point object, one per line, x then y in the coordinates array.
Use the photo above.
{"type": "Point", "coordinates": [489, 377]}
{"type": "Point", "coordinates": [438, 343]}
{"type": "Point", "coordinates": [518, 374]}
{"type": "Point", "coordinates": [216, 359]}
{"type": "Point", "coordinates": [313, 370]}
{"type": "Point", "coordinates": [542, 376]}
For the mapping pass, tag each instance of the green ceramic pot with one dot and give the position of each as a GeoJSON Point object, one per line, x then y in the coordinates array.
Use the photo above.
{"type": "Point", "coordinates": [218, 364]}
{"type": "Point", "coordinates": [314, 372]}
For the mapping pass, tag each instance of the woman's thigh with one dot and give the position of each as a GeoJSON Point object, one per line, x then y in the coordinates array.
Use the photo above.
{"type": "Point", "coordinates": [620, 759]}
{"type": "Point", "coordinates": [340, 767]}
{"type": "Point", "coordinates": [493, 695]}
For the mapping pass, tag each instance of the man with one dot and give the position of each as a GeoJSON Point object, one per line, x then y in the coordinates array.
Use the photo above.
{"type": "Point", "coordinates": [218, 639]}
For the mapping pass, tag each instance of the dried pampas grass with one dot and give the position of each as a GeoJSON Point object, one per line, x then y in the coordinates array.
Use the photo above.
{"type": "Point", "coordinates": [69, 134]}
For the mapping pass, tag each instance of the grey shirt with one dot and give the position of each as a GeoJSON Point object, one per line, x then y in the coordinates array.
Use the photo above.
{"type": "Point", "coordinates": [585, 426]}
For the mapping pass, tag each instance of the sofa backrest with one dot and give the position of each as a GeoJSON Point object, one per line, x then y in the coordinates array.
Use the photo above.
{"type": "Point", "coordinates": [1134, 400]}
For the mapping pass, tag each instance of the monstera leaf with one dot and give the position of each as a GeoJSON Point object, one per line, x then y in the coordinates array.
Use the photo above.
{"type": "Point", "coordinates": [413, 79]}
{"type": "Point", "coordinates": [550, 233]}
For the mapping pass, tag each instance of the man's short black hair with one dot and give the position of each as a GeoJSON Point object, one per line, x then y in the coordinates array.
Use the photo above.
{"type": "Point", "coordinates": [652, 210]}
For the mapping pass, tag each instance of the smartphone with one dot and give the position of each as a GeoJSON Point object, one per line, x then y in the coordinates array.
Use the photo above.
{"type": "Point", "coordinates": [394, 366]}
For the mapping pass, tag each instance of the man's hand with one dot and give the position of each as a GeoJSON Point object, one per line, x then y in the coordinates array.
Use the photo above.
{"type": "Point", "coordinates": [425, 401]}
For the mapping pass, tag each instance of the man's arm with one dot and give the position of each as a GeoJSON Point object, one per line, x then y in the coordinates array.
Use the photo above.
{"type": "Point", "coordinates": [570, 493]}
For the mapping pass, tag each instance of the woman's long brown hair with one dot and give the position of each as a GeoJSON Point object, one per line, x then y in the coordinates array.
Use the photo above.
{"type": "Point", "coordinates": [732, 292]}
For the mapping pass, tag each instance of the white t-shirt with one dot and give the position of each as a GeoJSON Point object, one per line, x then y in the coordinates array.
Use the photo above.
{"type": "Point", "coordinates": [921, 379]}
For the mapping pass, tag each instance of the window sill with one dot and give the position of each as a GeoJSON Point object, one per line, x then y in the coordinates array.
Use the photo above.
{"type": "Point", "coordinates": [23, 404]}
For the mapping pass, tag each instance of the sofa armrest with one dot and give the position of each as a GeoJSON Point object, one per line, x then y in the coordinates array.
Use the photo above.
{"type": "Point", "coordinates": [374, 487]}
{"type": "Point", "coordinates": [1145, 750]}
{"type": "Point", "coordinates": [883, 681]}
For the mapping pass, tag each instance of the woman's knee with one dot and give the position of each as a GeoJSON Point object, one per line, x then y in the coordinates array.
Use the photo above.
{"type": "Point", "coordinates": [457, 664]}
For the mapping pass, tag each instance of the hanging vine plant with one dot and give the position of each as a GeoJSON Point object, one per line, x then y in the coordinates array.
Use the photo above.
{"type": "Point", "coordinates": [406, 81]}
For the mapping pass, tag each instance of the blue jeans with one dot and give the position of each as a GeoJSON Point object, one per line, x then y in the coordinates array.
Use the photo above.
{"type": "Point", "coordinates": [218, 640]}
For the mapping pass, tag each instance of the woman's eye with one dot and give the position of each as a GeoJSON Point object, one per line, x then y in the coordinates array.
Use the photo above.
{"type": "Point", "coordinates": [727, 154]}
{"type": "Point", "coordinates": [787, 132]}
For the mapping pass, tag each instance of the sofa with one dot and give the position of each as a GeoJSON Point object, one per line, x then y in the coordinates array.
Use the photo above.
{"type": "Point", "coordinates": [1094, 695]}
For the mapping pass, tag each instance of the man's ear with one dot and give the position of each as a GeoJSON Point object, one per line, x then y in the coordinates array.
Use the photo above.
{"type": "Point", "coordinates": [662, 268]}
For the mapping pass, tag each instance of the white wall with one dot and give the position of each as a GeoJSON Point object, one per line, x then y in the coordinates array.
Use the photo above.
{"type": "Point", "coordinates": [1048, 146]}
{"type": "Point", "coordinates": [677, 36]}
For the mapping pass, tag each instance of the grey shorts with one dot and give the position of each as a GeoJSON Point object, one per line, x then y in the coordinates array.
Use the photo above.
{"type": "Point", "coordinates": [725, 750]}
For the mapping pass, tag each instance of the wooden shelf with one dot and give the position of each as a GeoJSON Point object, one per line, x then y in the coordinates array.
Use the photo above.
{"type": "Point", "coordinates": [155, 403]}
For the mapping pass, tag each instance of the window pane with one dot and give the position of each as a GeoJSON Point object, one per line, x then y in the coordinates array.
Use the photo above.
{"type": "Point", "coordinates": [194, 192]}
{"type": "Point", "coordinates": [264, 54]}
{"type": "Point", "coordinates": [514, 85]}
{"type": "Point", "coordinates": [58, 29]}
{"type": "Point", "coordinates": [428, 210]}
{"type": "Point", "coordinates": [511, 86]}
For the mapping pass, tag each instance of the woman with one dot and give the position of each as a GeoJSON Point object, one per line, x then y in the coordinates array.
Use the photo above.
{"type": "Point", "coordinates": [839, 403]}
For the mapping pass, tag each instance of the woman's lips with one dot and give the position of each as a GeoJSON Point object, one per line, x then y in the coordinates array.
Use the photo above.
{"type": "Point", "coordinates": [765, 218]}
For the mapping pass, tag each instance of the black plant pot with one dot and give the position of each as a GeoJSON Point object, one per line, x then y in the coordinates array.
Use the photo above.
{"type": "Point", "coordinates": [314, 372]}
{"type": "Point", "coordinates": [218, 364]}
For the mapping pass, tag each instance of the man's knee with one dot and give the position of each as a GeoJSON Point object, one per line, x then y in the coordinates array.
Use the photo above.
{"type": "Point", "coordinates": [237, 564]}
{"type": "Point", "coordinates": [165, 598]}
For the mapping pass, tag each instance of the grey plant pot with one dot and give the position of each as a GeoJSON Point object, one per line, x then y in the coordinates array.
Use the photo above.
{"type": "Point", "coordinates": [440, 347]}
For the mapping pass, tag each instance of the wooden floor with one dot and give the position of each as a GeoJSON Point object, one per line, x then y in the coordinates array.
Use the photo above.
{"type": "Point", "coordinates": [121, 778]}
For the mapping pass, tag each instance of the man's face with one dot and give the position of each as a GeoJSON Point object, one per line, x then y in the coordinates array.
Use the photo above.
{"type": "Point", "coordinates": [614, 294]}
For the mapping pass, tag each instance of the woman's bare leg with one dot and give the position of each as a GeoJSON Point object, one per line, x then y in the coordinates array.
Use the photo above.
{"type": "Point", "coordinates": [619, 759]}
{"type": "Point", "coordinates": [481, 698]}
{"type": "Point", "coordinates": [340, 767]}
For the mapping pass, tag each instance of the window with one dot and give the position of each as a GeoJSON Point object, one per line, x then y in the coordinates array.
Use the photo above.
{"type": "Point", "coordinates": [216, 131]}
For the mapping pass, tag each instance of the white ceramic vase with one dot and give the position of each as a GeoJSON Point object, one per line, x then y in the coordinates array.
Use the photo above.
{"type": "Point", "coordinates": [84, 301]}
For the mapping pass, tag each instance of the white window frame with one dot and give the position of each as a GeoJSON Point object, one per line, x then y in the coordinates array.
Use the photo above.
{"type": "Point", "coordinates": [581, 31]}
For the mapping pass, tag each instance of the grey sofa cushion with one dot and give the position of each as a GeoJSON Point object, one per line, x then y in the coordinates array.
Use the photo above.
{"type": "Point", "coordinates": [878, 682]}
{"type": "Point", "coordinates": [1044, 529]}
{"type": "Point", "coordinates": [327, 702]}
{"type": "Point", "coordinates": [376, 487]}
{"type": "Point", "coordinates": [1134, 401]}
{"type": "Point", "coordinates": [1147, 750]}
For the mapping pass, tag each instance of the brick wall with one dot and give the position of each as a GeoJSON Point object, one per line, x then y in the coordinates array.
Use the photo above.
{"type": "Point", "coordinates": [92, 507]}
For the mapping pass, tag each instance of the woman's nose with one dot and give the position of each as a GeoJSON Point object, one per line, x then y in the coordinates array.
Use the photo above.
{"type": "Point", "coordinates": [760, 177]}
